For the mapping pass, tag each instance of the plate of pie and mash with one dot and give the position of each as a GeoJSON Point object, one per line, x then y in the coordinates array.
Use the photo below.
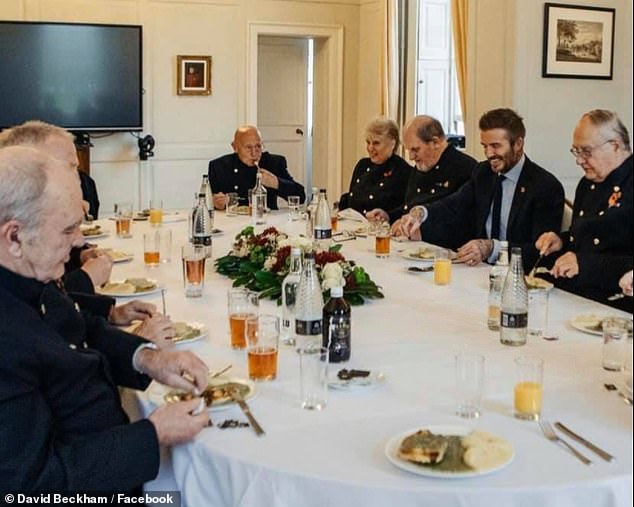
{"type": "Point", "coordinates": [449, 452]}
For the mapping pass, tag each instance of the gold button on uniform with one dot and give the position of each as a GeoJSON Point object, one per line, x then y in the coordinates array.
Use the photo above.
{"type": "Point", "coordinates": [596, 241]}
{"type": "Point", "coordinates": [235, 170]}
{"type": "Point", "coordinates": [72, 346]}
{"type": "Point", "coordinates": [418, 190]}
{"type": "Point", "coordinates": [371, 196]}
{"type": "Point", "coordinates": [601, 213]}
{"type": "Point", "coordinates": [572, 238]}
{"type": "Point", "coordinates": [235, 187]}
{"type": "Point", "coordinates": [433, 190]}
{"type": "Point", "coordinates": [592, 187]}
{"type": "Point", "coordinates": [581, 213]}
{"type": "Point", "coordinates": [381, 184]}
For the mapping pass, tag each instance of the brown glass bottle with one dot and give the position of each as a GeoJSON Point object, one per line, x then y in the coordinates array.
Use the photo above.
{"type": "Point", "coordinates": [336, 326]}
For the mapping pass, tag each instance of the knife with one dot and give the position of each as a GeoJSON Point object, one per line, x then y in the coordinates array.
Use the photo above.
{"type": "Point", "coordinates": [245, 409]}
{"type": "Point", "coordinates": [606, 456]}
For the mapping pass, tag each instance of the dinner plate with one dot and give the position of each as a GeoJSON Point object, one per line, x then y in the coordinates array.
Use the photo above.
{"type": "Point", "coordinates": [118, 255]}
{"type": "Point", "coordinates": [116, 293]}
{"type": "Point", "coordinates": [588, 323]}
{"type": "Point", "coordinates": [160, 394]}
{"type": "Point", "coordinates": [196, 325]}
{"type": "Point", "coordinates": [412, 254]}
{"type": "Point", "coordinates": [374, 379]}
{"type": "Point", "coordinates": [392, 447]}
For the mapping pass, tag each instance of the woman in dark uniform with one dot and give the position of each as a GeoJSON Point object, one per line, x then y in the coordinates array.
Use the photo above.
{"type": "Point", "coordinates": [379, 180]}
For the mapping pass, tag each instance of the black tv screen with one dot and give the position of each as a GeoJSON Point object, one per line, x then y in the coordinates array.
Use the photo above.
{"type": "Point", "coordinates": [83, 77]}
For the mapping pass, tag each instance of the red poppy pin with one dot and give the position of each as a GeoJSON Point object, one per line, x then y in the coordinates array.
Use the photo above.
{"type": "Point", "coordinates": [613, 201]}
{"type": "Point", "coordinates": [387, 174]}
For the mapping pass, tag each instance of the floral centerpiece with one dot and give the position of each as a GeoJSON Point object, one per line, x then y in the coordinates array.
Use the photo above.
{"type": "Point", "coordinates": [261, 261]}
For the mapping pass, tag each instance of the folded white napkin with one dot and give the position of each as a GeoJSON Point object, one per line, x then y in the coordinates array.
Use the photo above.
{"type": "Point", "coordinates": [351, 214]}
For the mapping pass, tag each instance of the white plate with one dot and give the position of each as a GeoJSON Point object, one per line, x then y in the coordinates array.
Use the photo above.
{"type": "Point", "coordinates": [170, 218]}
{"type": "Point", "coordinates": [157, 288]}
{"type": "Point", "coordinates": [410, 254]}
{"type": "Point", "coordinates": [587, 323]}
{"type": "Point", "coordinates": [196, 325]}
{"type": "Point", "coordinates": [376, 378]}
{"type": "Point", "coordinates": [118, 256]}
{"type": "Point", "coordinates": [102, 234]}
{"type": "Point", "coordinates": [157, 392]}
{"type": "Point", "coordinates": [392, 446]}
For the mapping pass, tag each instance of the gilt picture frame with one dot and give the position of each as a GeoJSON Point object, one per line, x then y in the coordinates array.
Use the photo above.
{"type": "Point", "coordinates": [578, 42]}
{"type": "Point", "coordinates": [193, 75]}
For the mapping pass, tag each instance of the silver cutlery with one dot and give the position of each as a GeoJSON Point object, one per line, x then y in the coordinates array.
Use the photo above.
{"type": "Point", "coordinates": [597, 450]}
{"type": "Point", "coordinates": [247, 411]}
{"type": "Point", "coordinates": [626, 399]}
{"type": "Point", "coordinates": [416, 269]}
{"type": "Point", "coordinates": [220, 372]}
{"type": "Point", "coordinates": [550, 434]}
{"type": "Point", "coordinates": [163, 299]}
{"type": "Point", "coordinates": [614, 297]}
{"type": "Point", "coordinates": [531, 273]}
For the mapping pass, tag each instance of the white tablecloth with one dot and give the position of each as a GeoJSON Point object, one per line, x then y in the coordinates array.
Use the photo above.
{"type": "Point", "coordinates": [337, 456]}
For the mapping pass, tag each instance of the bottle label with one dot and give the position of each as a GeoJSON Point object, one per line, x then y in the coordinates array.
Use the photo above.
{"type": "Point", "coordinates": [201, 240]}
{"type": "Point", "coordinates": [514, 320]}
{"type": "Point", "coordinates": [323, 233]}
{"type": "Point", "coordinates": [336, 337]}
{"type": "Point", "coordinates": [308, 327]}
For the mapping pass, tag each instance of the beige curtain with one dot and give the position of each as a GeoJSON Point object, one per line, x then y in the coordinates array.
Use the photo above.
{"type": "Point", "coordinates": [460, 18]}
{"type": "Point", "coordinates": [390, 59]}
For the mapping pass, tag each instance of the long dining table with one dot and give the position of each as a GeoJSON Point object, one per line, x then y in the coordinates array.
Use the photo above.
{"type": "Point", "coordinates": [337, 456]}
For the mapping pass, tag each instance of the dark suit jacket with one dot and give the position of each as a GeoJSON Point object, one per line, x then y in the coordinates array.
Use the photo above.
{"type": "Point", "coordinates": [537, 207]}
{"type": "Point", "coordinates": [89, 193]}
{"type": "Point", "coordinates": [229, 174]}
{"type": "Point", "coordinates": [63, 427]}
{"type": "Point", "coordinates": [377, 186]}
{"type": "Point", "coordinates": [601, 236]}
{"type": "Point", "coordinates": [453, 169]}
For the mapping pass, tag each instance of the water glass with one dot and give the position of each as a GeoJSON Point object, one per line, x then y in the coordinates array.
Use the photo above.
{"type": "Point", "coordinates": [262, 335]}
{"type": "Point", "coordinates": [156, 212]}
{"type": "Point", "coordinates": [294, 210]}
{"type": "Point", "coordinates": [152, 249]}
{"type": "Point", "coordinates": [242, 304]}
{"type": "Point", "coordinates": [442, 267]}
{"type": "Point", "coordinates": [537, 311]}
{"type": "Point", "coordinates": [123, 219]}
{"type": "Point", "coordinates": [469, 385]}
{"type": "Point", "coordinates": [313, 377]}
{"type": "Point", "coordinates": [232, 202]}
{"type": "Point", "coordinates": [193, 257]}
{"type": "Point", "coordinates": [528, 388]}
{"type": "Point", "coordinates": [615, 333]}
{"type": "Point", "coordinates": [165, 244]}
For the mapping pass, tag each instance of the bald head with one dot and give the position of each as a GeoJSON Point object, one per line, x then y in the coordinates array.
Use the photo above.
{"type": "Point", "coordinates": [247, 144]}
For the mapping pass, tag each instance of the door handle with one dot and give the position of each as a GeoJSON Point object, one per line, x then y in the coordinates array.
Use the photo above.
{"type": "Point", "coordinates": [299, 131]}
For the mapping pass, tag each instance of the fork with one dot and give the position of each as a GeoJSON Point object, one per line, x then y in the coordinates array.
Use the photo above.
{"type": "Point", "coordinates": [550, 434]}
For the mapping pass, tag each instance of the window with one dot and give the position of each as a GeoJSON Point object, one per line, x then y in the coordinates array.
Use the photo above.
{"type": "Point", "coordinates": [436, 84]}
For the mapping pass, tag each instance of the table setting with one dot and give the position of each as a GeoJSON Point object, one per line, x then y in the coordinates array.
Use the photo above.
{"type": "Point", "coordinates": [345, 451]}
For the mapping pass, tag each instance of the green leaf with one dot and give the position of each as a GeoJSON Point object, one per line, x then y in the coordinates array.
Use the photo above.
{"type": "Point", "coordinates": [335, 248]}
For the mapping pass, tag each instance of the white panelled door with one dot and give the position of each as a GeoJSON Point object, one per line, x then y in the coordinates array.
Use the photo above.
{"type": "Point", "coordinates": [282, 98]}
{"type": "Point", "coordinates": [433, 84]}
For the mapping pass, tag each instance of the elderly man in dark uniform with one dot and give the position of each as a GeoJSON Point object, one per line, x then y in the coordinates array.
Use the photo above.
{"type": "Point", "coordinates": [590, 258]}
{"type": "Point", "coordinates": [508, 197]}
{"type": "Point", "coordinates": [63, 428]}
{"type": "Point", "coordinates": [236, 172]}
{"type": "Point", "coordinates": [441, 169]}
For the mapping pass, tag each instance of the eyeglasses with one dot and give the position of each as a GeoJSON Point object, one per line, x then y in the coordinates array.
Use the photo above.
{"type": "Point", "coordinates": [586, 151]}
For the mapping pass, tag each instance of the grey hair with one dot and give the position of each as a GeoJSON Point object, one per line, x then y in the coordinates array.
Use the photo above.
{"type": "Point", "coordinates": [428, 127]}
{"type": "Point", "coordinates": [604, 119]}
{"type": "Point", "coordinates": [32, 133]}
{"type": "Point", "coordinates": [382, 126]}
{"type": "Point", "coordinates": [23, 180]}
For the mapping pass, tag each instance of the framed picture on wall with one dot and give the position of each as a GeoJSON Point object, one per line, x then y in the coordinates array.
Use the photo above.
{"type": "Point", "coordinates": [578, 41]}
{"type": "Point", "coordinates": [193, 75]}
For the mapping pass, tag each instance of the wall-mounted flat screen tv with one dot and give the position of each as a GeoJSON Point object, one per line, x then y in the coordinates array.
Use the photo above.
{"type": "Point", "coordinates": [83, 77]}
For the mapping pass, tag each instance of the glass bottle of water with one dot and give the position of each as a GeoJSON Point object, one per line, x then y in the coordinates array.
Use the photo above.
{"type": "Point", "coordinates": [205, 188]}
{"type": "Point", "coordinates": [336, 327]}
{"type": "Point", "coordinates": [322, 227]}
{"type": "Point", "coordinates": [201, 225]}
{"type": "Point", "coordinates": [514, 306]}
{"type": "Point", "coordinates": [289, 297]}
{"type": "Point", "coordinates": [311, 210]}
{"type": "Point", "coordinates": [190, 218]}
{"type": "Point", "coordinates": [496, 281]}
{"type": "Point", "coordinates": [258, 201]}
{"type": "Point", "coordinates": [308, 306]}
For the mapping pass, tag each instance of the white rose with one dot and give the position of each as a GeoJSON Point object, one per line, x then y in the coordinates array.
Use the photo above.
{"type": "Point", "coordinates": [332, 270]}
{"type": "Point", "coordinates": [269, 263]}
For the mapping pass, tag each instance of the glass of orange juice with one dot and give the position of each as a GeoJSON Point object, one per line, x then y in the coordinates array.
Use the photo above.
{"type": "Point", "coordinates": [442, 267]}
{"type": "Point", "coordinates": [528, 387]}
{"type": "Point", "coordinates": [156, 212]}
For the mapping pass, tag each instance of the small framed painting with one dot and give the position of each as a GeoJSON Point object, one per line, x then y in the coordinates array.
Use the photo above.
{"type": "Point", "coordinates": [194, 75]}
{"type": "Point", "coordinates": [578, 41]}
